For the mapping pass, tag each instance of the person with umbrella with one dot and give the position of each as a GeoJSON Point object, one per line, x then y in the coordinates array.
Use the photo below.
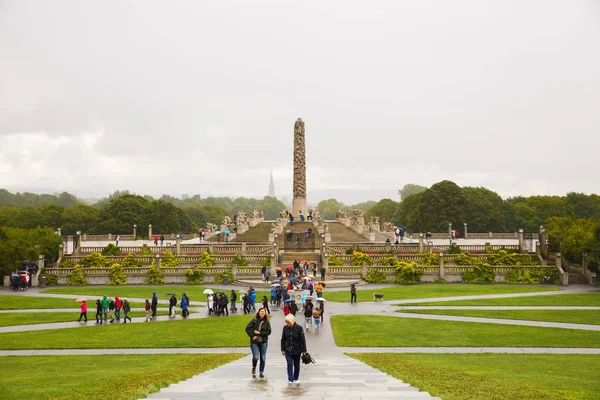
{"type": "Point", "coordinates": [293, 344]}
{"type": "Point", "coordinates": [154, 305]}
{"type": "Point", "coordinates": [83, 309]}
{"type": "Point", "coordinates": [258, 330]}
{"type": "Point", "coordinates": [308, 314]}
{"type": "Point", "coordinates": [278, 272]}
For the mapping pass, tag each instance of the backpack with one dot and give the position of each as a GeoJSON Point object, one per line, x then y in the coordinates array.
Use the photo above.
{"type": "Point", "coordinates": [317, 314]}
{"type": "Point", "coordinates": [308, 312]}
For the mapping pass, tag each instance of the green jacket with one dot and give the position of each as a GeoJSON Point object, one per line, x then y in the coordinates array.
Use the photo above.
{"type": "Point", "coordinates": [105, 303]}
{"type": "Point", "coordinates": [265, 329]}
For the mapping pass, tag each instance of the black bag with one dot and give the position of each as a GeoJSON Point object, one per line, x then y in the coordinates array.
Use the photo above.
{"type": "Point", "coordinates": [307, 359]}
{"type": "Point", "coordinates": [259, 338]}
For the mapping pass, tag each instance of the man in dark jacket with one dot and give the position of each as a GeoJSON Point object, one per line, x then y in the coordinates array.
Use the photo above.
{"type": "Point", "coordinates": [293, 344]}
{"type": "Point", "coordinates": [154, 305]}
{"type": "Point", "coordinates": [224, 304]}
{"type": "Point", "coordinates": [323, 271]}
{"type": "Point", "coordinates": [172, 305]}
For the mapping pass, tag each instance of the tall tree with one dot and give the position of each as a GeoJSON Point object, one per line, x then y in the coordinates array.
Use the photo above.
{"type": "Point", "coordinates": [441, 204]}
{"type": "Point", "coordinates": [385, 209]}
{"type": "Point", "coordinates": [328, 209]}
{"type": "Point", "coordinates": [409, 189]}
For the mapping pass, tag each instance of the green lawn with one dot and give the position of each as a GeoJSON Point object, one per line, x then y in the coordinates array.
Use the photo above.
{"type": "Point", "coordinates": [122, 377]}
{"type": "Point", "coordinates": [7, 319]}
{"type": "Point", "coordinates": [194, 292]}
{"type": "Point", "coordinates": [206, 332]}
{"type": "Point", "coordinates": [424, 291]}
{"type": "Point", "coordinates": [494, 376]}
{"type": "Point", "coordinates": [569, 316]}
{"type": "Point", "coordinates": [9, 302]}
{"type": "Point", "coordinates": [577, 299]}
{"type": "Point", "coordinates": [378, 331]}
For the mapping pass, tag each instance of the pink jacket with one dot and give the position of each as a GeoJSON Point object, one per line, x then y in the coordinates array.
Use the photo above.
{"type": "Point", "coordinates": [84, 307]}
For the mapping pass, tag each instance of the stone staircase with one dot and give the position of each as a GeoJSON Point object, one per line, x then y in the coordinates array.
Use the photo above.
{"type": "Point", "coordinates": [341, 233]}
{"type": "Point", "coordinates": [259, 233]}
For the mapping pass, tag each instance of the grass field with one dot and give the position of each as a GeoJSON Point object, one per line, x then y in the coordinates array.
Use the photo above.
{"type": "Point", "coordinates": [206, 332]}
{"type": "Point", "coordinates": [576, 299]}
{"type": "Point", "coordinates": [9, 302]}
{"type": "Point", "coordinates": [404, 292]}
{"type": "Point", "coordinates": [122, 377]}
{"type": "Point", "coordinates": [568, 316]}
{"type": "Point", "coordinates": [7, 319]}
{"type": "Point", "coordinates": [378, 331]}
{"type": "Point", "coordinates": [494, 376]}
{"type": "Point", "coordinates": [194, 292]}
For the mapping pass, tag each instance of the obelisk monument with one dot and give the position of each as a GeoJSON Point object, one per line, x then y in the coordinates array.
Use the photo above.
{"type": "Point", "coordinates": [299, 202]}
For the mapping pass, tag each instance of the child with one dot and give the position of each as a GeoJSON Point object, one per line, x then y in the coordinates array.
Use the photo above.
{"type": "Point", "coordinates": [83, 311]}
{"type": "Point", "coordinates": [266, 304]}
{"type": "Point", "coordinates": [147, 310]}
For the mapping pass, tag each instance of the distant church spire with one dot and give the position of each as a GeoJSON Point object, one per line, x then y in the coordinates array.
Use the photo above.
{"type": "Point", "coordinates": [272, 186]}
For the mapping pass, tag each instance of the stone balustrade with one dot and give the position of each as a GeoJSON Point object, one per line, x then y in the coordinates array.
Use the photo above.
{"type": "Point", "coordinates": [239, 248]}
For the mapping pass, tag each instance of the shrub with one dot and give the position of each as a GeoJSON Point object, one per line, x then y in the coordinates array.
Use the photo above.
{"type": "Point", "coordinates": [154, 276]}
{"type": "Point", "coordinates": [440, 280]}
{"type": "Point", "coordinates": [351, 250]}
{"type": "Point", "coordinates": [94, 260]}
{"type": "Point", "coordinates": [77, 276]}
{"type": "Point", "coordinates": [431, 259]}
{"type": "Point", "coordinates": [65, 263]}
{"type": "Point", "coordinates": [359, 258]}
{"type": "Point", "coordinates": [206, 260]}
{"type": "Point", "coordinates": [388, 261]}
{"type": "Point", "coordinates": [50, 279]}
{"type": "Point", "coordinates": [335, 261]}
{"type": "Point", "coordinates": [482, 273]}
{"type": "Point", "coordinates": [239, 260]}
{"type": "Point", "coordinates": [111, 250]}
{"type": "Point", "coordinates": [168, 260]}
{"type": "Point", "coordinates": [465, 259]}
{"type": "Point", "coordinates": [219, 277]}
{"type": "Point", "coordinates": [511, 257]}
{"type": "Point", "coordinates": [130, 261]}
{"type": "Point", "coordinates": [408, 272]}
{"type": "Point", "coordinates": [376, 276]}
{"type": "Point", "coordinates": [117, 275]}
{"type": "Point", "coordinates": [266, 262]}
{"type": "Point", "coordinates": [532, 275]}
{"type": "Point", "coordinates": [145, 251]}
{"type": "Point", "coordinates": [454, 249]}
{"type": "Point", "coordinates": [194, 276]}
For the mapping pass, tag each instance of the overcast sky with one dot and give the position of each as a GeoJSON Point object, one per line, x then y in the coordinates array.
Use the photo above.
{"type": "Point", "coordinates": [201, 96]}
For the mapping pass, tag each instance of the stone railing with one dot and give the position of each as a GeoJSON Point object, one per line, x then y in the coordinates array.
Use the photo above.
{"type": "Point", "coordinates": [402, 249]}
{"type": "Point", "coordinates": [191, 260]}
{"type": "Point", "coordinates": [239, 248]}
{"type": "Point", "coordinates": [101, 276]}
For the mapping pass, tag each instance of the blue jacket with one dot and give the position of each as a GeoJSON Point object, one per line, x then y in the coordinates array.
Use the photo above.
{"type": "Point", "coordinates": [184, 303]}
{"type": "Point", "coordinates": [253, 297]}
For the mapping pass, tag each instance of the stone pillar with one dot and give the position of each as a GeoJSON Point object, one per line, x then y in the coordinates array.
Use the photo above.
{"type": "Point", "coordinates": [178, 246]}
{"type": "Point", "coordinates": [420, 242]}
{"type": "Point", "coordinates": [134, 231]}
{"type": "Point", "coordinates": [61, 250]}
{"type": "Point", "coordinates": [211, 248]}
{"type": "Point", "coordinates": [234, 272]}
{"type": "Point", "coordinates": [325, 262]}
{"type": "Point", "coordinates": [441, 265]}
{"type": "Point", "coordinates": [450, 228]}
{"type": "Point", "coordinates": [84, 237]}
{"type": "Point", "coordinates": [487, 246]}
{"type": "Point", "coordinates": [77, 241]}
{"type": "Point", "coordinates": [299, 182]}
{"type": "Point", "coordinates": [491, 234]}
{"type": "Point", "coordinates": [41, 262]}
{"type": "Point", "coordinates": [158, 261]}
{"type": "Point", "coordinates": [371, 236]}
{"type": "Point", "coordinates": [365, 271]}
{"type": "Point", "coordinates": [110, 236]}
{"type": "Point", "coordinates": [243, 247]}
{"type": "Point", "coordinates": [59, 232]}
{"type": "Point", "coordinates": [150, 232]}
{"type": "Point", "coordinates": [522, 242]}
{"type": "Point", "coordinates": [543, 243]}
{"type": "Point", "coordinates": [327, 237]}
{"type": "Point", "coordinates": [584, 261]}
{"type": "Point", "coordinates": [466, 233]}
{"type": "Point", "coordinates": [538, 248]}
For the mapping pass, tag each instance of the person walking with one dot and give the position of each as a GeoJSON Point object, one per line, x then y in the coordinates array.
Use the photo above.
{"type": "Point", "coordinates": [252, 294]}
{"type": "Point", "coordinates": [184, 307]}
{"type": "Point", "coordinates": [172, 305]}
{"type": "Point", "coordinates": [258, 330]}
{"type": "Point", "coordinates": [314, 270]}
{"type": "Point", "coordinates": [105, 303]}
{"type": "Point", "coordinates": [83, 311]}
{"type": "Point", "coordinates": [293, 344]}
{"type": "Point", "coordinates": [154, 305]}
{"type": "Point", "coordinates": [293, 308]}
{"type": "Point", "coordinates": [246, 302]}
{"type": "Point", "coordinates": [321, 309]}
{"type": "Point", "coordinates": [156, 240]}
{"type": "Point", "coordinates": [117, 240]}
{"type": "Point", "coordinates": [317, 319]}
{"type": "Point", "coordinates": [111, 310]}
{"type": "Point", "coordinates": [323, 271]}
{"type": "Point", "coordinates": [98, 312]}
{"type": "Point", "coordinates": [126, 311]}
{"type": "Point", "coordinates": [162, 239]}
{"type": "Point", "coordinates": [233, 299]}
{"type": "Point", "coordinates": [147, 307]}
{"type": "Point", "coordinates": [353, 293]}
{"type": "Point", "coordinates": [319, 289]}
{"type": "Point", "coordinates": [118, 306]}
{"type": "Point", "coordinates": [224, 303]}
{"type": "Point", "coordinates": [265, 303]}
{"type": "Point", "coordinates": [308, 315]}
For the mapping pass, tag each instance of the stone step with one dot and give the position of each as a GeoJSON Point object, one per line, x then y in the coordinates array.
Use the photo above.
{"type": "Point", "coordinates": [577, 279]}
{"type": "Point", "coordinates": [334, 376]}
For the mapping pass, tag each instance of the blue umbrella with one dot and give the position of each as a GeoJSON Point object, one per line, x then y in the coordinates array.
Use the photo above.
{"type": "Point", "coordinates": [227, 232]}
{"type": "Point", "coordinates": [290, 301]}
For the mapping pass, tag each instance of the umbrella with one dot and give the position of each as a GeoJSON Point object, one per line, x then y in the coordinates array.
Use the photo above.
{"type": "Point", "coordinates": [172, 294]}
{"type": "Point", "coordinates": [207, 291]}
{"type": "Point", "coordinates": [310, 276]}
{"type": "Point", "coordinates": [81, 299]}
{"type": "Point", "coordinates": [321, 299]}
{"type": "Point", "coordinates": [217, 232]}
{"type": "Point", "coordinates": [227, 232]}
{"type": "Point", "coordinates": [275, 285]}
{"type": "Point", "coordinates": [290, 301]}
{"type": "Point", "coordinates": [289, 267]}
{"type": "Point", "coordinates": [276, 281]}
{"type": "Point", "coordinates": [219, 292]}
{"type": "Point", "coordinates": [305, 231]}
{"type": "Point", "coordinates": [303, 262]}
{"type": "Point", "coordinates": [243, 291]}
{"type": "Point", "coordinates": [277, 268]}
{"type": "Point", "coordinates": [310, 298]}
